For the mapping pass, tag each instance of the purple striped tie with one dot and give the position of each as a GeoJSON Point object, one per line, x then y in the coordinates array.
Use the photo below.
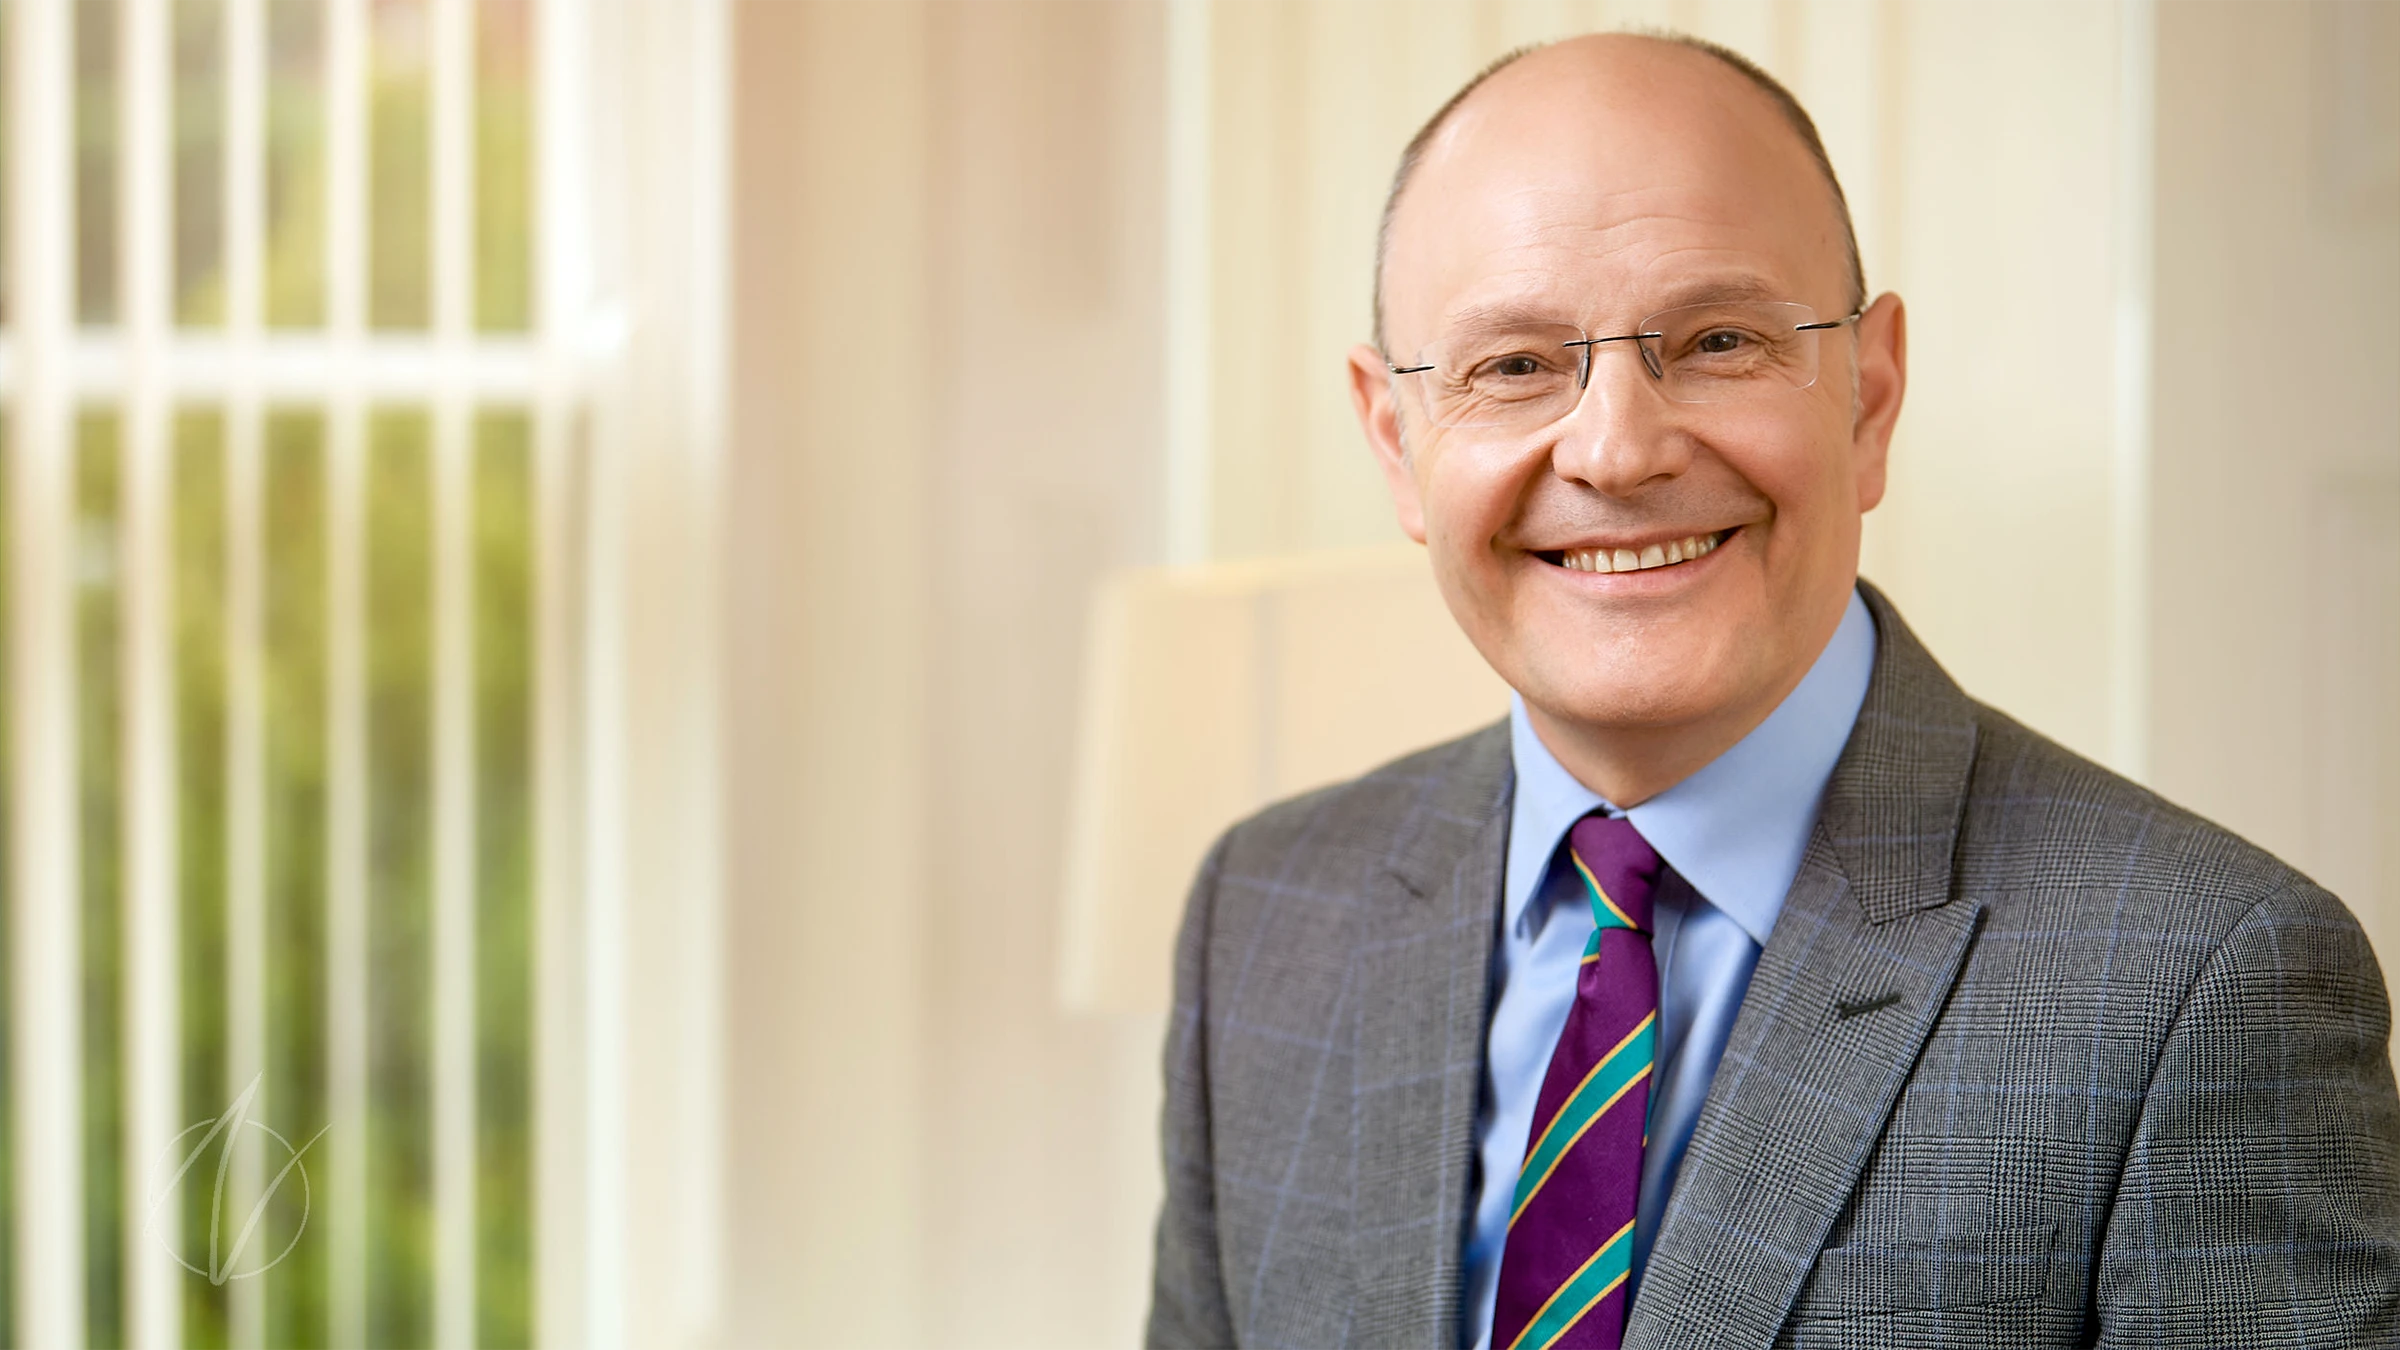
{"type": "Point", "coordinates": [1569, 1248]}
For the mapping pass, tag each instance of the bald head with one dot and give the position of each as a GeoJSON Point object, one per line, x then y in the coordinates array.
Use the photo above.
{"type": "Point", "coordinates": [1710, 80]}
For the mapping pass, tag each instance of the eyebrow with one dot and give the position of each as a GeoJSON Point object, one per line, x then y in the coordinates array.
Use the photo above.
{"type": "Point", "coordinates": [1509, 313]}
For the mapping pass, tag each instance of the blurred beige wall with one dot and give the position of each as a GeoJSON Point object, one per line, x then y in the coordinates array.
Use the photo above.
{"type": "Point", "coordinates": [2146, 496]}
{"type": "Point", "coordinates": [827, 639]}
{"type": "Point", "coordinates": [2274, 642]}
{"type": "Point", "coordinates": [945, 432]}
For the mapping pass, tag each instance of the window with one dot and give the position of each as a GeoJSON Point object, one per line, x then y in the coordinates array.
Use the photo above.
{"type": "Point", "coordinates": [298, 310]}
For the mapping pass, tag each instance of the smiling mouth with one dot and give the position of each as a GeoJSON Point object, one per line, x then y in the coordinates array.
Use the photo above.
{"type": "Point", "coordinates": [1636, 560]}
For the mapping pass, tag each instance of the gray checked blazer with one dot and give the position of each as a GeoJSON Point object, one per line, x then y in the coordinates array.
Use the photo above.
{"type": "Point", "coordinates": [2032, 1058]}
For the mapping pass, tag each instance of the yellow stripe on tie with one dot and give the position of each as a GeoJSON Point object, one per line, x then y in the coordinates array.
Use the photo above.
{"type": "Point", "coordinates": [1567, 1284]}
{"type": "Point", "coordinates": [1594, 883]}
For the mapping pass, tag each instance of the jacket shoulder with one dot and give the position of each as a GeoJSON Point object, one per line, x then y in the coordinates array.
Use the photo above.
{"type": "Point", "coordinates": [1379, 814]}
{"type": "Point", "coordinates": [2041, 819]}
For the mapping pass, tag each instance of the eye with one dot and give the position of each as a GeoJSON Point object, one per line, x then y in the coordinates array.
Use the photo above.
{"type": "Point", "coordinates": [1721, 342]}
{"type": "Point", "coordinates": [1517, 366]}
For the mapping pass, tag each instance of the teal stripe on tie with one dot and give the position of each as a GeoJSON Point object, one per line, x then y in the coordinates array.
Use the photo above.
{"type": "Point", "coordinates": [1604, 910]}
{"type": "Point", "coordinates": [1582, 1292]}
{"type": "Point", "coordinates": [1609, 1080]}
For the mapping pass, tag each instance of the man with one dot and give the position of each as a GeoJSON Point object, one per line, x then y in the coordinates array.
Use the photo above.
{"type": "Point", "coordinates": [1751, 985]}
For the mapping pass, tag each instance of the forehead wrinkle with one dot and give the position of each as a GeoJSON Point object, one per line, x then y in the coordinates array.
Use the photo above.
{"type": "Point", "coordinates": [1552, 255]}
{"type": "Point", "coordinates": [1568, 278]}
{"type": "Point", "coordinates": [1577, 229]}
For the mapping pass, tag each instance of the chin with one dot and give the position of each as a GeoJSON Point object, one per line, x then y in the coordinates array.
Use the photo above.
{"type": "Point", "coordinates": [1656, 674]}
{"type": "Point", "coordinates": [1624, 699]}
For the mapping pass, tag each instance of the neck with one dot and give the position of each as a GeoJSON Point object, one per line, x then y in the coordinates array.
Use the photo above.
{"type": "Point", "coordinates": [1631, 765]}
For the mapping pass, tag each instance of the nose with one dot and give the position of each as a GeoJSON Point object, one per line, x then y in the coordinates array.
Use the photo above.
{"type": "Point", "coordinates": [1622, 434]}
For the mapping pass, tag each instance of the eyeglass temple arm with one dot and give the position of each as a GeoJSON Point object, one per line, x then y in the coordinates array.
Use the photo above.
{"type": "Point", "coordinates": [1852, 317]}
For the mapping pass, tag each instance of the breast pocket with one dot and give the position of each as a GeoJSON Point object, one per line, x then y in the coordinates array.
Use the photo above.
{"type": "Point", "coordinates": [1962, 1270]}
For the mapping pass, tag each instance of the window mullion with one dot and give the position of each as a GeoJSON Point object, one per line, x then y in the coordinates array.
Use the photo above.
{"type": "Point", "coordinates": [43, 886]}
{"type": "Point", "coordinates": [152, 928]}
{"type": "Point", "coordinates": [346, 149]}
{"type": "Point", "coordinates": [454, 1039]}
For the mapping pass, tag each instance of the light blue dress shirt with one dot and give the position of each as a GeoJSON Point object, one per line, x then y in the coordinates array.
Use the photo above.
{"type": "Point", "coordinates": [1735, 831]}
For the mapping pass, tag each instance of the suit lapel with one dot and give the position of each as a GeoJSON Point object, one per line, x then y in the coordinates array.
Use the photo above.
{"type": "Point", "coordinates": [1423, 975]}
{"type": "Point", "coordinates": [1847, 989]}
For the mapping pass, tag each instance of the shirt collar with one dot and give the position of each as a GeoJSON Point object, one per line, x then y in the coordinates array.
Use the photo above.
{"type": "Point", "coordinates": [1736, 829]}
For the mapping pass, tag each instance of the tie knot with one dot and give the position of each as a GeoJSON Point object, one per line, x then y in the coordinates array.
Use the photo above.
{"type": "Point", "coordinates": [1619, 869]}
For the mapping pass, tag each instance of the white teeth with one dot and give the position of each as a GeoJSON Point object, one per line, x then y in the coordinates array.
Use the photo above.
{"type": "Point", "coordinates": [1652, 555]}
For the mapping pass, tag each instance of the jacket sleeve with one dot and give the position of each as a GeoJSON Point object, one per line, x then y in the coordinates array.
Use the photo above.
{"type": "Point", "coordinates": [1187, 1288]}
{"type": "Point", "coordinates": [2260, 1201]}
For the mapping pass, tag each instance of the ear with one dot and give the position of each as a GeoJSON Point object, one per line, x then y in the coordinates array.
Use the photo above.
{"type": "Point", "coordinates": [1379, 416]}
{"type": "Point", "coordinates": [1882, 380]}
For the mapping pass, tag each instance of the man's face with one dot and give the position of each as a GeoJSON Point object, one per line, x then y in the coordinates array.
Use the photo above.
{"type": "Point", "coordinates": [1597, 183]}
